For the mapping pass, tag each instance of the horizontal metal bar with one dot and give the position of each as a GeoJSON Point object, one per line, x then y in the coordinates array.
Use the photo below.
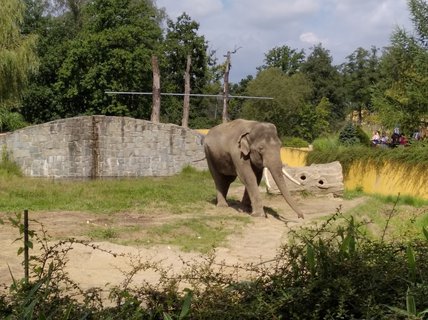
{"type": "Point", "coordinates": [190, 94]}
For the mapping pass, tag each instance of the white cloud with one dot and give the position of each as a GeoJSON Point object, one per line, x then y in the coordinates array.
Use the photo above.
{"type": "Point", "coordinates": [197, 9]}
{"type": "Point", "coordinates": [312, 39]}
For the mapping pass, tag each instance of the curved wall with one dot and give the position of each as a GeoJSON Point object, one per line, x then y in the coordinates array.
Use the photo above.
{"type": "Point", "coordinates": [104, 146]}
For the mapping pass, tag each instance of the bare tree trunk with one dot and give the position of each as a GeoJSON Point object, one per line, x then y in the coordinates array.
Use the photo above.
{"type": "Point", "coordinates": [226, 88]}
{"type": "Point", "coordinates": [156, 97]}
{"type": "Point", "coordinates": [186, 102]}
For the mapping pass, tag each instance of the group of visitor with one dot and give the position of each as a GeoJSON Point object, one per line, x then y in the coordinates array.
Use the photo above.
{"type": "Point", "coordinates": [397, 139]}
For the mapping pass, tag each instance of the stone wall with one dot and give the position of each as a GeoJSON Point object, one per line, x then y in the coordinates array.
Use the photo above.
{"type": "Point", "coordinates": [103, 146]}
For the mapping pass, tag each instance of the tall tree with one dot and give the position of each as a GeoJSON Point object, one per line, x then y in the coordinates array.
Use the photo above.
{"type": "Point", "coordinates": [326, 81]}
{"type": "Point", "coordinates": [291, 94]}
{"type": "Point", "coordinates": [17, 59]}
{"type": "Point", "coordinates": [182, 39]}
{"type": "Point", "coordinates": [360, 74]}
{"type": "Point", "coordinates": [401, 98]}
{"type": "Point", "coordinates": [287, 59]}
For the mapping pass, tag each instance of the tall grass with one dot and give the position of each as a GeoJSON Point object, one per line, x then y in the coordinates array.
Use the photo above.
{"type": "Point", "coordinates": [7, 166]}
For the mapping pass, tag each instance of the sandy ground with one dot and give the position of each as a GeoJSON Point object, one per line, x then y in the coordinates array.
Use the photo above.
{"type": "Point", "coordinates": [259, 241]}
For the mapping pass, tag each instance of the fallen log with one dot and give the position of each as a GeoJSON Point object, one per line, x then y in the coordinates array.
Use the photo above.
{"type": "Point", "coordinates": [316, 179]}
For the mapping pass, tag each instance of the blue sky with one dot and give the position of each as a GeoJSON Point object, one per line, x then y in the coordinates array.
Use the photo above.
{"type": "Point", "coordinates": [256, 26]}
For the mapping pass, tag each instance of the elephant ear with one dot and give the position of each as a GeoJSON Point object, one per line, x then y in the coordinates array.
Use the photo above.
{"type": "Point", "coordinates": [244, 144]}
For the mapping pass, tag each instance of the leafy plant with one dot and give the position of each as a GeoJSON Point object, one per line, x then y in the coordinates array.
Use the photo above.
{"type": "Point", "coordinates": [7, 166]}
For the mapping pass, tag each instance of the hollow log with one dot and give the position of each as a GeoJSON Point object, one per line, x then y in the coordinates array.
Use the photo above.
{"type": "Point", "coordinates": [316, 179]}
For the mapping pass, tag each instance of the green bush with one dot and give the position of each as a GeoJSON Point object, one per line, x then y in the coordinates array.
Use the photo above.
{"type": "Point", "coordinates": [294, 142]}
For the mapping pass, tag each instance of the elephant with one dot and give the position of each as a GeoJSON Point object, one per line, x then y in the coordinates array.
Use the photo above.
{"type": "Point", "coordinates": [243, 148]}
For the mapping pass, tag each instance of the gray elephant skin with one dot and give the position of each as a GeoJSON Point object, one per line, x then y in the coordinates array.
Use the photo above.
{"type": "Point", "coordinates": [242, 148]}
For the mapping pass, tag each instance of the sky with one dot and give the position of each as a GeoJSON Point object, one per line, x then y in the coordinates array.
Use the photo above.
{"type": "Point", "coordinates": [254, 27]}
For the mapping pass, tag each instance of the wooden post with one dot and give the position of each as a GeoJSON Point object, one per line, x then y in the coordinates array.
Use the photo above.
{"type": "Point", "coordinates": [186, 102]}
{"type": "Point", "coordinates": [226, 88]}
{"type": "Point", "coordinates": [26, 248]}
{"type": "Point", "coordinates": [156, 97]}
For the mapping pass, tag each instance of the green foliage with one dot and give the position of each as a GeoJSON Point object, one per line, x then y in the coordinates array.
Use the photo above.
{"type": "Point", "coordinates": [284, 58]}
{"type": "Point", "coordinates": [290, 93]}
{"type": "Point", "coordinates": [294, 142]}
{"type": "Point", "coordinates": [10, 120]}
{"type": "Point", "coordinates": [17, 54]}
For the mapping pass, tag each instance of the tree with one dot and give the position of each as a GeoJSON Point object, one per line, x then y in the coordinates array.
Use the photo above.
{"type": "Point", "coordinates": [326, 81]}
{"type": "Point", "coordinates": [287, 59]}
{"type": "Point", "coordinates": [111, 51]}
{"type": "Point", "coordinates": [360, 76]}
{"type": "Point", "coordinates": [419, 14]}
{"type": "Point", "coordinates": [17, 60]}
{"type": "Point", "coordinates": [291, 94]}
{"type": "Point", "coordinates": [182, 39]}
{"type": "Point", "coordinates": [401, 96]}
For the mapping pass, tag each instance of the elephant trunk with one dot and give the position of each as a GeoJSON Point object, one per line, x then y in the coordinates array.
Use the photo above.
{"type": "Point", "coordinates": [277, 175]}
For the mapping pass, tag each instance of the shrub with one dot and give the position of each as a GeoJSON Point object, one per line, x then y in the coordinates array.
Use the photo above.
{"type": "Point", "coordinates": [7, 166]}
{"type": "Point", "coordinates": [352, 135]}
{"type": "Point", "coordinates": [294, 142]}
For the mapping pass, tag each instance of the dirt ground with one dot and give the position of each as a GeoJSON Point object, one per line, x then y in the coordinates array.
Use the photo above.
{"type": "Point", "coordinates": [258, 241]}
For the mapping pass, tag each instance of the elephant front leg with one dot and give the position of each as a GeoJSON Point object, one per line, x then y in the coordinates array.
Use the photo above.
{"type": "Point", "coordinates": [251, 199]}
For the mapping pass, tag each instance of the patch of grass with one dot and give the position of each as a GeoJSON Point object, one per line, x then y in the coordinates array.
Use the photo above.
{"type": "Point", "coordinates": [188, 191]}
{"type": "Point", "coordinates": [403, 200]}
{"type": "Point", "coordinates": [352, 194]}
{"type": "Point", "coordinates": [100, 233]}
{"type": "Point", "coordinates": [195, 234]}
{"type": "Point", "coordinates": [392, 220]}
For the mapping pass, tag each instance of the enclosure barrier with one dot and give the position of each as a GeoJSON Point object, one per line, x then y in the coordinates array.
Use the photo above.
{"type": "Point", "coordinates": [390, 180]}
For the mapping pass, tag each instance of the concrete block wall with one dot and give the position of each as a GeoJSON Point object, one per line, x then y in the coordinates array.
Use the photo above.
{"type": "Point", "coordinates": [104, 146]}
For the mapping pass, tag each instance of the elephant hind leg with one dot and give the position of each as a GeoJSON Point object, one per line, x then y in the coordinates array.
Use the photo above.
{"type": "Point", "coordinates": [223, 183]}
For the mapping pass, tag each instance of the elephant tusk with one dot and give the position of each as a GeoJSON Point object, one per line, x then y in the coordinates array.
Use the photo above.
{"type": "Point", "coordinates": [265, 173]}
{"type": "Point", "coordinates": [290, 177]}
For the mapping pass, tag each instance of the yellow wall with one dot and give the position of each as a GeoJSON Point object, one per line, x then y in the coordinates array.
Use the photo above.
{"type": "Point", "coordinates": [294, 157]}
{"type": "Point", "coordinates": [390, 179]}
{"type": "Point", "coordinates": [202, 131]}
